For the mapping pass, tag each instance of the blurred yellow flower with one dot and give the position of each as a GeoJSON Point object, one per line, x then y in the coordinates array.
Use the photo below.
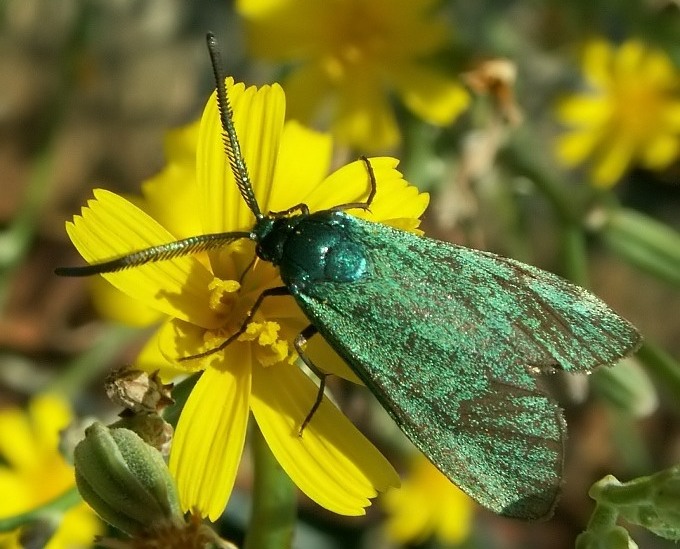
{"type": "Point", "coordinates": [33, 472]}
{"type": "Point", "coordinates": [630, 114]}
{"type": "Point", "coordinates": [204, 298]}
{"type": "Point", "coordinates": [348, 55]}
{"type": "Point", "coordinates": [426, 505]}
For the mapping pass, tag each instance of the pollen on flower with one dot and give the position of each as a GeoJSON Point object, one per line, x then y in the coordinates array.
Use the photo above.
{"type": "Point", "coordinates": [223, 295]}
{"type": "Point", "coordinates": [270, 348]}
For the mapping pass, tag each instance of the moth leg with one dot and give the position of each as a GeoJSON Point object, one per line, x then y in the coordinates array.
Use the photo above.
{"type": "Point", "coordinates": [302, 208]}
{"type": "Point", "coordinates": [248, 267]}
{"type": "Point", "coordinates": [269, 292]}
{"type": "Point", "coordinates": [300, 341]}
{"type": "Point", "coordinates": [371, 195]}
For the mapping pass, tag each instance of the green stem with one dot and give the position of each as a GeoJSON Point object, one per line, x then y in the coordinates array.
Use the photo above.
{"type": "Point", "coordinates": [574, 255]}
{"type": "Point", "coordinates": [57, 506]}
{"type": "Point", "coordinates": [17, 239]}
{"type": "Point", "coordinates": [662, 366]}
{"type": "Point", "coordinates": [80, 371]}
{"type": "Point", "coordinates": [609, 492]}
{"type": "Point", "coordinates": [520, 156]}
{"type": "Point", "coordinates": [274, 500]}
{"type": "Point", "coordinates": [603, 518]}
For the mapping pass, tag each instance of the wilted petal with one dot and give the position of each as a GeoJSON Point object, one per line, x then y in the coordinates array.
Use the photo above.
{"type": "Point", "coordinates": [331, 462]}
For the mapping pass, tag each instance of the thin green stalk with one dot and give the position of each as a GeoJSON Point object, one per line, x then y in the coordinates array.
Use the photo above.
{"type": "Point", "coordinates": [80, 371]}
{"type": "Point", "coordinates": [17, 239]}
{"type": "Point", "coordinates": [574, 254]}
{"type": "Point", "coordinates": [520, 155]}
{"type": "Point", "coordinates": [274, 501]}
{"type": "Point", "coordinates": [57, 506]}
{"type": "Point", "coordinates": [661, 366]}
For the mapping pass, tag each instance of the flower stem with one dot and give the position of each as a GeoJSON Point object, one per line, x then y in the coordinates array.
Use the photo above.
{"type": "Point", "coordinates": [51, 510]}
{"type": "Point", "coordinates": [274, 500]}
{"type": "Point", "coordinates": [661, 366]}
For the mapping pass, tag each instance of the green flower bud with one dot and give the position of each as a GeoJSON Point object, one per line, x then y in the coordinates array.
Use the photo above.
{"type": "Point", "coordinates": [125, 480]}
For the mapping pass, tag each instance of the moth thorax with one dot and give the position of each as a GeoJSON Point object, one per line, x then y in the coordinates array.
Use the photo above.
{"type": "Point", "coordinates": [320, 249]}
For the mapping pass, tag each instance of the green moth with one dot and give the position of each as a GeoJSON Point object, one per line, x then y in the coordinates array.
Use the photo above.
{"type": "Point", "coordinates": [450, 340]}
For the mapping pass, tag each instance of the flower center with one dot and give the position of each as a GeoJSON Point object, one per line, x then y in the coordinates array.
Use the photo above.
{"type": "Point", "coordinates": [228, 302]}
{"type": "Point", "coordinates": [639, 106]}
{"type": "Point", "coordinates": [359, 39]}
{"type": "Point", "coordinates": [223, 296]}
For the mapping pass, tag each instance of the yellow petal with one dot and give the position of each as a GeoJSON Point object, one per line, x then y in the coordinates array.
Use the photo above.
{"type": "Point", "coordinates": [303, 163]}
{"type": "Point", "coordinates": [613, 161]}
{"type": "Point", "coordinates": [171, 196]}
{"type": "Point", "coordinates": [351, 183]}
{"type": "Point", "coordinates": [10, 540]}
{"type": "Point", "coordinates": [660, 151]}
{"type": "Point", "coordinates": [281, 29]}
{"type": "Point", "coordinates": [111, 303]}
{"type": "Point", "coordinates": [111, 226]}
{"type": "Point", "coordinates": [17, 444]}
{"type": "Point", "coordinates": [49, 414]}
{"type": "Point", "coordinates": [258, 119]}
{"type": "Point", "coordinates": [597, 60]}
{"type": "Point", "coordinates": [431, 96]}
{"type": "Point", "coordinates": [78, 527]}
{"type": "Point", "coordinates": [178, 339]}
{"type": "Point", "coordinates": [154, 356]}
{"type": "Point", "coordinates": [584, 110]}
{"type": "Point", "coordinates": [14, 482]}
{"type": "Point", "coordinates": [180, 143]}
{"type": "Point", "coordinates": [172, 199]}
{"type": "Point", "coordinates": [574, 147]}
{"type": "Point", "coordinates": [209, 438]}
{"type": "Point", "coordinates": [364, 118]}
{"type": "Point", "coordinates": [308, 91]}
{"type": "Point", "coordinates": [323, 355]}
{"type": "Point", "coordinates": [332, 462]}
{"type": "Point", "coordinates": [628, 59]}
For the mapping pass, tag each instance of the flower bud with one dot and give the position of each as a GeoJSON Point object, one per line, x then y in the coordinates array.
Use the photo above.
{"type": "Point", "coordinates": [125, 480]}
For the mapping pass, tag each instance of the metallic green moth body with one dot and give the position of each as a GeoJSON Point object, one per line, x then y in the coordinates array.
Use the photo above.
{"type": "Point", "coordinates": [450, 340]}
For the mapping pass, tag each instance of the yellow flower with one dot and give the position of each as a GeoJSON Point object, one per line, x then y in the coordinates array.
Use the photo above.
{"type": "Point", "coordinates": [427, 504]}
{"type": "Point", "coordinates": [33, 472]}
{"type": "Point", "coordinates": [205, 298]}
{"type": "Point", "coordinates": [630, 115]}
{"type": "Point", "coordinates": [348, 55]}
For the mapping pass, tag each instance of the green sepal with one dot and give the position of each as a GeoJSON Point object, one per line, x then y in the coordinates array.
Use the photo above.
{"type": "Point", "coordinates": [646, 243]}
{"type": "Point", "coordinates": [652, 502]}
{"type": "Point", "coordinates": [615, 537]}
{"type": "Point", "coordinates": [125, 480]}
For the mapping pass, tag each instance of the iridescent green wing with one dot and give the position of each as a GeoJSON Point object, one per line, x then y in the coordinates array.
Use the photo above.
{"type": "Point", "coordinates": [451, 340]}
